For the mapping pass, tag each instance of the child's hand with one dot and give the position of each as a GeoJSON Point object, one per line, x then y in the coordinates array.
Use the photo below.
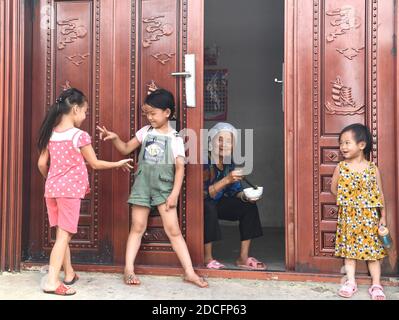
{"type": "Point", "coordinates": [171, 202]}
{"type": "Point", "coordinates": [124, 164]}
{"type": "Point", "coordinates": [151, 87]}
{"type": "Point", "coordinates": [383, 222]}
{"type": "Point", "coordinates": [107, 135]}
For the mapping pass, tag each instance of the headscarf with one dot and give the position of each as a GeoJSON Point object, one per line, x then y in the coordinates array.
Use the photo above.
{"type": "Point", "coordinates": [221, 127]}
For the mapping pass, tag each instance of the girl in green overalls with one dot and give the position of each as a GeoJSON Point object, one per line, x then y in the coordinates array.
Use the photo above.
{"type": "Point", "coordinates": [158, 181]}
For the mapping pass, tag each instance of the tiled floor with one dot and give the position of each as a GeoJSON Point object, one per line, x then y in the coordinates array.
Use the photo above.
{"type": "Point", "coordinates": [270, 248]}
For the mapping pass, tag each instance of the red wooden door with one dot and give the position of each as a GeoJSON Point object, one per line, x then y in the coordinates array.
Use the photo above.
{"type": "Point", "coordinates": [111, 50]}
{"type": "Point", "coordinates": [335, 47]}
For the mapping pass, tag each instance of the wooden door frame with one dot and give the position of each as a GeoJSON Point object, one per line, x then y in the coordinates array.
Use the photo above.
{"type": "Point", "coordinates": [13, 104]}
{"type": "Point", "coordinates": [194, 172]}
{"type": "Point", "coordinates": [397, 117]}
{"type": "Point", "coordinates": [290, 129]}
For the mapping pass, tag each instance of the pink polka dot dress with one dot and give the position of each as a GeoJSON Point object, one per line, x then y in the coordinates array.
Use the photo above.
{"type": "Point", "coordinates": [67, 177]}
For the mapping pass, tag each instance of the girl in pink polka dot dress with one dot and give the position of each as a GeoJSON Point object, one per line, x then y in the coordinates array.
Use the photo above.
{"type": "Point", "coordinates": [64, 148]}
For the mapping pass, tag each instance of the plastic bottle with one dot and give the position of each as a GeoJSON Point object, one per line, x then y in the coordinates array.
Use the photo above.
{"type": "Point", "coordinates": [385, 237]}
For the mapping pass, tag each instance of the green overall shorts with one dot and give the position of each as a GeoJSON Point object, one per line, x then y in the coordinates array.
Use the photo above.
{"type": "Point", "coordinates": [155, 175]}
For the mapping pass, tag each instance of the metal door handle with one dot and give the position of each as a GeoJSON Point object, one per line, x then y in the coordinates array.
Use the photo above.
{"type": "Point", "coordinates": [189, 75]}
{"type": "Point", "coordinates": [181, 74]}
{"type": "Point", "coordinates": [282, 86]}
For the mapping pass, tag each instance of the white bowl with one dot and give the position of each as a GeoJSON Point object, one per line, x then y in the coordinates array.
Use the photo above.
{"type": "Point", "coordinates": [253, 194]}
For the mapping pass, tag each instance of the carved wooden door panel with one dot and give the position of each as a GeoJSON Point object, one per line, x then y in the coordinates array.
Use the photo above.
{"type": "Point", "coordinates": [344, 73]}
{"type": "Point", "coordinates": [167, 31]}
{"type": "Point", "coordinates": [111, 50]}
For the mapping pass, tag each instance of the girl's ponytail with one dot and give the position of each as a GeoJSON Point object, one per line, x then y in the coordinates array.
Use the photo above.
{"type": "Point", "coordinates": [62, 106]}
{"type": "Point", "coordinates": [46, 129]}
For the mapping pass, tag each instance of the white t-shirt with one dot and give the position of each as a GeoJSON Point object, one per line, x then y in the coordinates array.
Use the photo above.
{"type": "Point", "coordinates": [177, 142]}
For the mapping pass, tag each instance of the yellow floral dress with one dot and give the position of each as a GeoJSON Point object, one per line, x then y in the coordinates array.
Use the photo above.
{"type": "Point", "coordinates": [359, 200]}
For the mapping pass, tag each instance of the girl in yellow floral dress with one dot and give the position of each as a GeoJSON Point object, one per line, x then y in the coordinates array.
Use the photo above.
{"type": "Point", "coordinates": [357, 184]}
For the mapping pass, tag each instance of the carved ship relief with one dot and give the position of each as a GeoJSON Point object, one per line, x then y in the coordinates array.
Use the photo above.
{"type": "Point", "coordinates": [343, 102]}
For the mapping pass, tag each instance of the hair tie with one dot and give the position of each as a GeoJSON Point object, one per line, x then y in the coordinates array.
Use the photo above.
{"type": "Point", "coordinates": [59, 100]}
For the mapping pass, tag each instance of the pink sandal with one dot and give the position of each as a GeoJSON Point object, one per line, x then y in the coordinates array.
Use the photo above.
{"type": "Point", "coordinates": [214, 264]}
{"type": "Point", "coordinates": [377, 292]}
{"type": "Point", "coordinates": [348, 289]}
{"type": "Point", "coordinates": [252, 264]}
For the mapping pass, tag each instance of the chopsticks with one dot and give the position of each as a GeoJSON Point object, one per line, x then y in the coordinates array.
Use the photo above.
{"type": "Point", "coordinates": [253, 186]}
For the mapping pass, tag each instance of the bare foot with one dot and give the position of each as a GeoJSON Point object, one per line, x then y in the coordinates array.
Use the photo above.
{"type": "Point", "coordinates": [196, 280]}
{"type": "Point", "coordinates": [251, 263]}
{"type": "Point", "coordinates": [50, 287]}
{"type": "Point", "coordinates": [131, 278]}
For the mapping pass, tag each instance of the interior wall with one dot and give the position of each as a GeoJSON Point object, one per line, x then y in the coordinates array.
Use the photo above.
{"type": "Point", "coordinates": [250, 38]}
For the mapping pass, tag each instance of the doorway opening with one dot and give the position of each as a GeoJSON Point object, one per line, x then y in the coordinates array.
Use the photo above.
{"type": "Point", "coordinates": [244, 53]}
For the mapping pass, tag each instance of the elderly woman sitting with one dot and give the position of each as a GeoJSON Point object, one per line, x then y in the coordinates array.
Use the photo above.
{"type": "Point", "coordinates": [224, 199]}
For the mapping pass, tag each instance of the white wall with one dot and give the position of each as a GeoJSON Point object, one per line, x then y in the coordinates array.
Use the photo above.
{"type": "Point", "coordinates": [250, 36]}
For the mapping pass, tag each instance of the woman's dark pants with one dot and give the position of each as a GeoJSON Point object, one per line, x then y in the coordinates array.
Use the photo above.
{"type": "Point", "coordinates": [231, 209]}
